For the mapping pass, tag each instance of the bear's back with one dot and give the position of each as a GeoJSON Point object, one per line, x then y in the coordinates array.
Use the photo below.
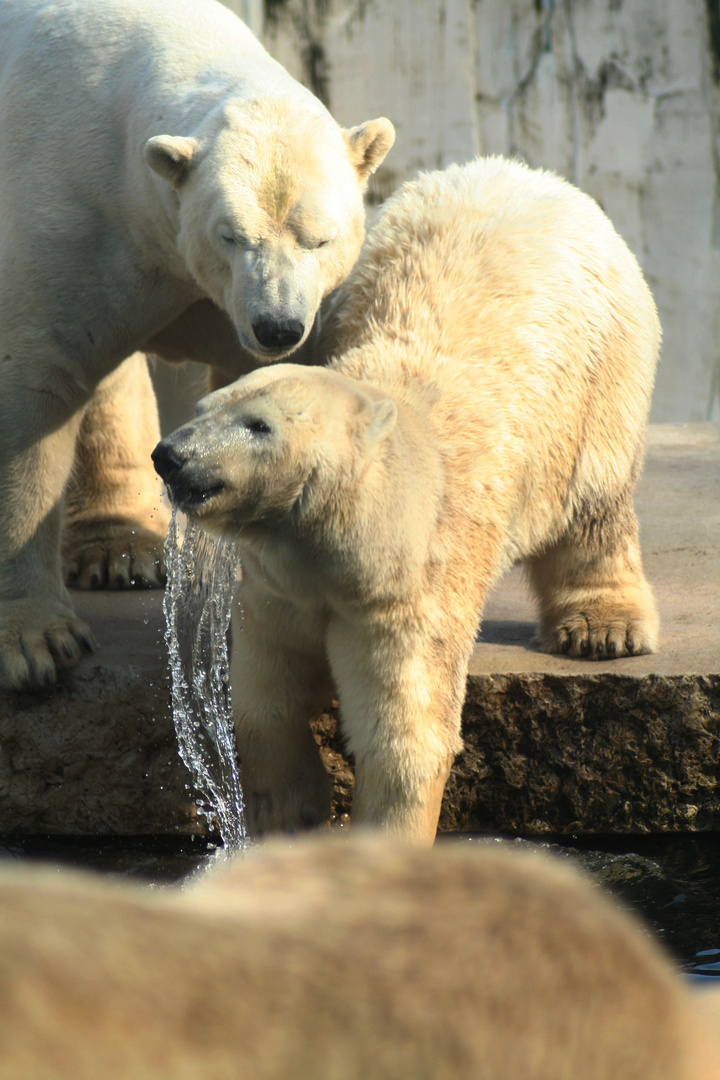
{"type": "Point", "coordinates": [500, 263]}
{"type": "Point", "coordinates": [132, 49]}
{"type": "Point", "coordinates": [504, 297]}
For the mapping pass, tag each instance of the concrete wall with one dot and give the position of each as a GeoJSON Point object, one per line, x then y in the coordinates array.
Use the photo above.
{"type": "Point", "coordinates": [620, 96]}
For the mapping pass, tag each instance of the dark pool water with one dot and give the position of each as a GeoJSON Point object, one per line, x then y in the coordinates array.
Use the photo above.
{"type": "Point", "coordinates": [672, 881]}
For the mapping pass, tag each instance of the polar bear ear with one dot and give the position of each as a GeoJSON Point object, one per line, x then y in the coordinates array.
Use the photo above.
{"type": "Point", "coordinates": [170, 156]}
{"type": "Point", "coordinates": [368, 145]}
{"type": "Point", "coordinates": [382, 418]}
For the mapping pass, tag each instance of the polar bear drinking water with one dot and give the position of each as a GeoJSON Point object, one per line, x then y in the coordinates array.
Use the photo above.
{"type": "Point", "coordinates": [164, 186]}
{"type": "Point", "coordinates": [493, 357]}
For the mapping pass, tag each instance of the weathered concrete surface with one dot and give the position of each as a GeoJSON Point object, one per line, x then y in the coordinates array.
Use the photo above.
{"type": "Point", "coordinates": [552, 744]}
{"type": "Point", "coordinates": [98, 755]}
{"type": "Point", "coordinates": [622, 97]}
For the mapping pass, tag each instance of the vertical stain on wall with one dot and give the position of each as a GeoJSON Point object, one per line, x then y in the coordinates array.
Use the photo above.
{"type": "Point", "coordinates": [712, 8]}
{"type": "Point", "coordinates": [273, 11]}
{"type": "Point", "coordinates": [305, 21]}
{"type": "Point", "coordinates": [317, 68]}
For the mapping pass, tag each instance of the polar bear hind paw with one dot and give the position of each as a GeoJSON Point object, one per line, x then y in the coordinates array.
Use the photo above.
{"type": "Point", "coordinates": [600, 632]}
{"type": "Point", "coordinates": [129, 559]}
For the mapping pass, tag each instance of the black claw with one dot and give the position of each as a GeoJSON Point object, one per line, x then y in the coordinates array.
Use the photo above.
{"type": "Point", "coordinates": [85, 642]}
{"type": "Point", "coordinates": [68, 650]}
{"type": "Point", "coordinates": [48, 678]}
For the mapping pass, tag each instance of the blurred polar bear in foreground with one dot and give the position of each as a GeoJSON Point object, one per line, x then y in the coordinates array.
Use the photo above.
{"type": "Point", "coordinates": [342, 961]}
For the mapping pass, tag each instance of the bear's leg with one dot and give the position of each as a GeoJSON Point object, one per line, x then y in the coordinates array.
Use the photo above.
{"type": "Point", "coordinates": [115, 518]}
{"type": "Point", "coordinates": [379, 804]}
{"type": "Point", "coordinates": [595, 601]}
{"type": "Point", "coordinates": [39, 631]}
{"type": "Point", "coordinates": [401, 698]}
{"type": "Point", "coordinates": [280, 680]}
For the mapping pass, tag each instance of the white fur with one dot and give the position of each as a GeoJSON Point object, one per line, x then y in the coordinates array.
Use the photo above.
{"type": "Point", "coordinates": [494, 351]}
{"type": "Point", "coordinates": [158, 170]}
{"type": "Point", "coordinates": [342, 959]}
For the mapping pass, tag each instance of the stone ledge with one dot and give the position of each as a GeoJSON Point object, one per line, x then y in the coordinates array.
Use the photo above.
{"type": "Point", "coordinates": [98, 754]}
{"type": "Point", "coordinates": [552, 745]}
{"type": "Point", "coordinates": [588, 753]}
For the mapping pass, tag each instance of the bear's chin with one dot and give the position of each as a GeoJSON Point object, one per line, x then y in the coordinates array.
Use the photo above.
{"type": "Point", "coordinates": [190, 499]}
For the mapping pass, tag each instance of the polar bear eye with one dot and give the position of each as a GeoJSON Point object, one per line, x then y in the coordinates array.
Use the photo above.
{"type": "Point", "coordinates": [230, 236]}
{"type": "Point", "coordinates": [311, 244]}
{"type": "Point", "coordinates": [257, 427]}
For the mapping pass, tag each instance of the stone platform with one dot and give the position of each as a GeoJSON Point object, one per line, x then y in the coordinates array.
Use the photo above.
{"type": "Point", "coordinates": [552, 744]}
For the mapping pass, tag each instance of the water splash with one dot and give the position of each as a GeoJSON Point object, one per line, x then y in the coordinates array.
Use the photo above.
{"type": "Point", "coordinates": [201, 584]}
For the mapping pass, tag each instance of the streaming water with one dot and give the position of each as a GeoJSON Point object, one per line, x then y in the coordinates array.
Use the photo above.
{"type": "Point", "coordinates": [201, 584]}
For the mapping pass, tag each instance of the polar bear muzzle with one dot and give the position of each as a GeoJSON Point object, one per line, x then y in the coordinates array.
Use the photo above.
{"type": "Point", "coordinates": [278, 334]}
{"type": "Point", "coordinates": [189, 481]}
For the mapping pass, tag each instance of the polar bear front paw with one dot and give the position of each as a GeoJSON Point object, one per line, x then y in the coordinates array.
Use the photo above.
{"type": "Point", "coordinates": [304, 803]}
{"type": "Point", "coordinates": [121, 557]}
{"type": "Point", "coordinates": [37, 638]}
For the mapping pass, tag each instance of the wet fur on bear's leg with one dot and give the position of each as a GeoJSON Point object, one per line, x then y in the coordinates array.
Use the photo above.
{"type": "Point", "coordinates": [280, 680]}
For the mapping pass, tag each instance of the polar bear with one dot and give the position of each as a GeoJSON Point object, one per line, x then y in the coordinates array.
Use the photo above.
{"type": "Point", "coordinates": [494, 351]}
{"type": "Point", "coordinates": [342, 960]}
{"type": "Point", "coordinates": [166, 187]}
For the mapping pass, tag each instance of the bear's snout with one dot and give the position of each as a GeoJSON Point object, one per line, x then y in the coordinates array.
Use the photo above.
{"type": "Point", "coordinates": [167, 461]}
{"type": "Point", "coordinates": [189, 481]}
{"type": "Point", "coordinates": [278, 334]}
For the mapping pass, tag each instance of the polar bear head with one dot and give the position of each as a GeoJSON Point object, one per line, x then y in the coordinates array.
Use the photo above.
{"type": "Point", "coordinates": [276, 447]}
{"type": "Point", "coordinates": [270, 211]}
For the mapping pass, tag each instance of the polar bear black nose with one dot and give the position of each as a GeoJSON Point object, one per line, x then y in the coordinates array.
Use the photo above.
{"type": "Point", "coordinates": [278, 334]}
{"type": "Point", "coordinates": [166, 461]}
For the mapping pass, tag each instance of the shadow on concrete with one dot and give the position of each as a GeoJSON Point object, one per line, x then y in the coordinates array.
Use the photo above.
{"type": "Point", "coordinates": [507, 632]}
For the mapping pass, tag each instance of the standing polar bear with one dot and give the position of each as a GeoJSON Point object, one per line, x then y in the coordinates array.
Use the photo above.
{"type": "Point", "coordinates": [165, 186]}
{"type": "Point", "coordinates": [494, 351]}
